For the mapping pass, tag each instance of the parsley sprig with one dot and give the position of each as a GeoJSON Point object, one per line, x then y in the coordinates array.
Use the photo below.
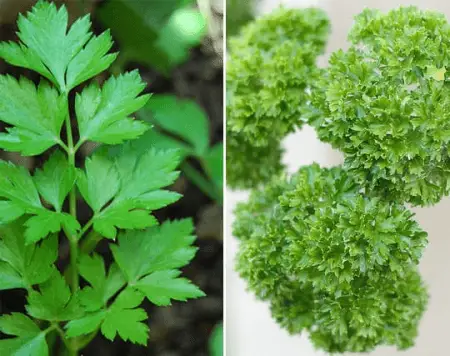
{"type": "Point", "coordinates": [121, 185]}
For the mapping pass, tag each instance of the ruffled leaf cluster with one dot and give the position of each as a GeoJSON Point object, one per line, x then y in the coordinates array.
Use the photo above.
{"type": "Point", "coordinates": [269, 72]}
{"type": "Point", "coordinates": [385, 103]}
{"type": "Point", "coordinates": [333, 261]}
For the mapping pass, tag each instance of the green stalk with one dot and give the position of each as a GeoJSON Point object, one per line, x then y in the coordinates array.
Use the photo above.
{"type": "Point", "coordinates": [201, 182]}
{"type": "Point", "coordinates": [72, 204]}
{"type": "Point", "coordinates": [74, 279]}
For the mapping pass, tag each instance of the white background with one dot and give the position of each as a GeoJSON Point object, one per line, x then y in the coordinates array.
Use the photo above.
{"type": "Point", "coordinates": [250, 331]}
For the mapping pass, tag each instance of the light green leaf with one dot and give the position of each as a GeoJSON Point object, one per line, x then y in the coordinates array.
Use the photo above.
{"type": "Point", "coordinates": [44, 32]}
{"type": "Point", "coordinates": [30, 339]}
{"type": "Point", "coordinates": [85, 325]}
{"type": "Point", "coordinates": [10, 211]}
{"type": "Point", "coordinates": [18, 187]}
{"type": "Point", "coordinates": [155, 22]}
{"type": "Point", "coordinates": [55, 180]}
{"type": "Point", "coordinates": [99, 183]}
{"type": "Point", "coordinates": [183, 118]}
{"type": "Point", "coordinates": [91, 60]}
{"type": "Point", "coordinates": [46, 222]}
{"type": "Point", "coordinates": [162, 286]}
{"type": "Point", "coordinates": [126, 321]}
{"type": "Point", "coordinates": [102, 287]}
{"type": "Point", "coordinates": [25, 265]}
{"type": "Point", "coordinates": [10, 278]}
{"type": "Point", "coordinates": [134, 193]}
{"type": "Point", "coordinates": [160, 141]}
{"type": "Point", "coordinates": [103, 113]}
{"type": "Point", "coordinates": [120, 318]}
{"type": "Point", "coordinates": [121, 214]}
{"type": "Point", "coordinates": [22, 100]}
{"type": "Point", "coordinates": [54, 301]}
{"type": "Point", "coordinates": [159, 248]}
{"type": "Point", "coordinates": [216, 341]}
{"type": "Point", "coordinates": [213, 162]}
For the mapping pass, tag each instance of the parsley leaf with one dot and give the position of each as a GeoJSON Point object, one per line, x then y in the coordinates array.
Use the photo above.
{"type": "Point", "coordinates": [43, 105]}
{"type": "Point", "coordinates": [66, 57]}
{"type": "Point", "coordinates": [130, 181]}
{"type": "Point", "coordinates": [125, 319]}
{"type": "Point", "coordinates": [91, 60]}
{"type": "Point", "coordinates": [103, 113]}
{"type": "Point", "coordinates": [148, 260]}
{"type": "Point", "coordinates": [55, 180]}
{"type": "Point", "coordinates": [162, 286]}
{"type": "Point", "coordinates": [21, 194]}
{"type": "Point", "coordinates": [54, 302]}
{"type": "Point", "coordinates": [122, 318]}
{"type": "Point", "coordinates": [24, 265]}
{"type": "Point", "coordinates": [183, 118]}
{"type": "Point", "coordinates": [30, 340]}
{"type": "Point", "coordinates": [102, 287]}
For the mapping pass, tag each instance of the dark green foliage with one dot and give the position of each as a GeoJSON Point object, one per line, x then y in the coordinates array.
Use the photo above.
{"type": "Point", "coordinates": [270, 68]}
{"type": "Point", "coordinates": [271, 64]}
{"type": "Point", "coordinates": [385, 103]}
{"type": "Point", "coordinates": [248, 165]}
{"type": "Point", "coordinates": [333, 261]}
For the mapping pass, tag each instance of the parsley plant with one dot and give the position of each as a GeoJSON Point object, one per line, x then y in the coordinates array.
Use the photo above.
{"type": "Point", "coordinates": [335, 251]}
{"type": "Point", "coordinates": [121, 187]}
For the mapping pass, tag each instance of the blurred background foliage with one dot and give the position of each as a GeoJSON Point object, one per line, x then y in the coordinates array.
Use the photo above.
{"type": "Point", "coordinates": [177, 47]}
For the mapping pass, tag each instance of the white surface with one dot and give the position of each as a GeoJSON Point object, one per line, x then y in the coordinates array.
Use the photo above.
{"type": "Point", "coordinates": [250, 331]}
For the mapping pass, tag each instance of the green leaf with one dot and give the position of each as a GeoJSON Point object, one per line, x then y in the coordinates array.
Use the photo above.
{"type": "Point", "coordinates": [25, 265]}
{"type": "Point", "coordinates": [213, 162]}
{"type": "Point", "coordinates": [148, 260]}
{"type": "Point", "coordinates": [126, 321]}
{"type": "Point", "coordinates": [160, 141]}
{"type": "Point", "coordinates": [66, 57]}
{"type": "Point", "coordinates": [102, 114]}
{"type": "Point", "coordinates": [102, 287]}
{"type": "Point", "coordinates": [18, 187]}
{"type": "Point", "coordinates": [183, 118]}
{"type": "Point", "coordinates": [160, 248]}
{"type": "Point", "coordinates": [30, 339]}
{"type": "Point", "coordinates": [162, 286]}
{"type": "Point", "coordinates": [99, 183]}
{"type": "Point", "coordinates": [20, 101]}
{"type": "Point", "coordinates": [91, 60]}
{"type": "Point", "coordinates": [132, 187]}
{"type": "Point", "coordinates": [121, 215]}
{"type": "Point", "coordinates": [216, 341]}
{"type": "Point", "coordinates": [9, 211]}
{"type": "Point", "coordinates": [121, 318]}
{"type": "Point", "coordinates": [85, 325]}
{"type": "Point", "coordinates": [55, 180]}
{"type": "Point", "coordinates": [145, 30]}
{"type": "Point", "coordinates": [54, 301]}
{"type": "Point", "coordinates": [46, 222]}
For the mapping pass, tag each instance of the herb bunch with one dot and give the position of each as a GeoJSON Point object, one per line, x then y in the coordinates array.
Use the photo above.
{"type": "Point", "coordinates": [122, 186]}
{"type": "Point", "coordinates": [335, 251]}
{"type": "Point", "coordinates": [269, 71]}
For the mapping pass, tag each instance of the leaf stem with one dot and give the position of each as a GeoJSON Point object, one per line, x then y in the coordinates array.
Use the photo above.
{"type": "Point", "coordinates": [91, 240]}
{"type": "Point", "coordinates": [72, 203]}
{"type": "Point", "coordinates": [200, 181]}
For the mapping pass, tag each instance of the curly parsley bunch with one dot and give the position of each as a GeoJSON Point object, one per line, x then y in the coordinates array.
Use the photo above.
{"type": "Point", "coordinates": [385, 103]}
{"type": "Point", "coordinates": [269, 72]}
{"type": "Point", "coordinates": [333, 261]}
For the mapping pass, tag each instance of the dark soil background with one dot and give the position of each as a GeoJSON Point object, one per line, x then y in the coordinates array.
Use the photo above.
{"type": "Point", "coordinates": [184, 328]}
